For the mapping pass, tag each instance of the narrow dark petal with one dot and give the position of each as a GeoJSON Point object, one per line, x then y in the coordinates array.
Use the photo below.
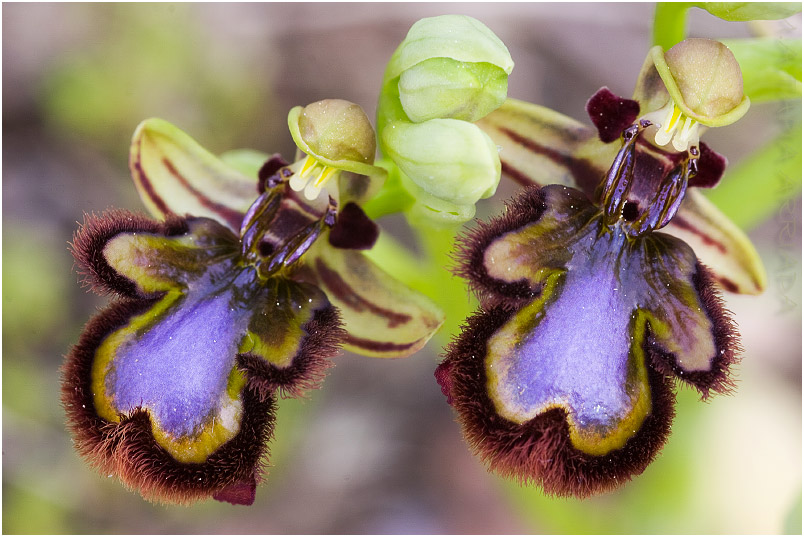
{"type": "Point", "coordinates": [128, 448]}
{"type": "Point", "coordinates": [711, 166]}
{"type": "Point", "coordinates": [268, 174]}
{"type": "Point", "coordinates": [91, 238]}
{"type": "Point", "coordinates": [540, 450]}
{"type": "Point", "coordinates": [353, 230]}
{"type": "Point", "coordinates": [611, 114]}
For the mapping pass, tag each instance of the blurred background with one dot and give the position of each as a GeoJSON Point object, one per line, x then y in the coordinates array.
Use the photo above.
{"type": "Point", "coordinates": [377, 449]}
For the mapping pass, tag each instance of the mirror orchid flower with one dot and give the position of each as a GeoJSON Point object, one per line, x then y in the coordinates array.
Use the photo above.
{"type": "Point", "coordinates": [588, 315]}
{"type": "Point", "coordinates": [693, 86]}
{"type": "Point", "coordinates": [242, 292]}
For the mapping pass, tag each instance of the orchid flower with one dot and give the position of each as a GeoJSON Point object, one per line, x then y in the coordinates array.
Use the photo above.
{"type": "Point", "coordinates": [244, 291]}
{"type": "Point", "coordinates": [564, 377]}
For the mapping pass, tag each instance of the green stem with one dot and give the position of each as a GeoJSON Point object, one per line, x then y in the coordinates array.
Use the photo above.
{"type": "Point", "coordinates": [670, 23]}
{"type": "Point", "coordinates": [449, 291]}
{"type": "Point", "coordinates": [392, 198]}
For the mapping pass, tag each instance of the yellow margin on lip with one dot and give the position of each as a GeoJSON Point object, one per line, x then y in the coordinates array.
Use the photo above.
{"type": "Point", "coordinates": [193, 449]}
{"type": "Point", "coordinates": [590, 443]}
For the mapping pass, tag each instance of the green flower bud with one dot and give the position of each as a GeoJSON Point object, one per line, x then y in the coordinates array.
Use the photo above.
{"type": "Point", "coordinates": [447, 159]}
{"type": "Point", "coordinates": [448, 72]}
{"type": "Point", "coordinates": [444, 88]}
{"type": "Point", "coordinates": [450, 66]}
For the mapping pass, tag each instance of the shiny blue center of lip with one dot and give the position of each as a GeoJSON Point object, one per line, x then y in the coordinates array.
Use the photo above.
{"type": "Point", "coordinates": [179, 367]}
{"type": "Point", "coordinates": [578, 352]}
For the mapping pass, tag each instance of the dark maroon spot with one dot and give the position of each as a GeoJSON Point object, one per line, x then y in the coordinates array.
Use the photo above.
{"type": "Point", "coordinates": [266, 248]}
{"type": "Point", "coordinates": [711, 166]}
{"type": "Point", "coordinates": [240, 493]}
{"type": "Point", "coordinates": [630, 211]}
{"type": "Point", "coordinates": [611, 114]}
{"type": "Point", "coordinates": [269, 175]}
{"type": "Point", "coordinates": [586, 175]}
{"type": "Point", "coordinates": [232, 217]}
{"type": "Point", "coordinates": [709, 241]}
{"type": "Point", "coordinates": [353, 230]}
{"type": "Point", "coordinates": [349, 296]}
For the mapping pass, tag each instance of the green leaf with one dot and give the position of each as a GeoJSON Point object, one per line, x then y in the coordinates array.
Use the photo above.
{"type": "Point", "coordinates": [750, 11]}
{"type": "Point", "coordinates": [172, 172]}
{"type": "Point", "coordinates": [762, 184]}
{"type": "Point", "coordinates": [771, 67]}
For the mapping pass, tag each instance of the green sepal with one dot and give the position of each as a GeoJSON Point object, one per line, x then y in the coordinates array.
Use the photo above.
{"type": "Point", "coordinates": [719, 244]}
{"type": "Point", "coordinates": [173, 173]}
{"type": "Point", "coordinates": [764, 183]}
{"type": "Point", "coordinates": [541, 146]}
{"type": "Point", "coordinates": [382, 316]}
